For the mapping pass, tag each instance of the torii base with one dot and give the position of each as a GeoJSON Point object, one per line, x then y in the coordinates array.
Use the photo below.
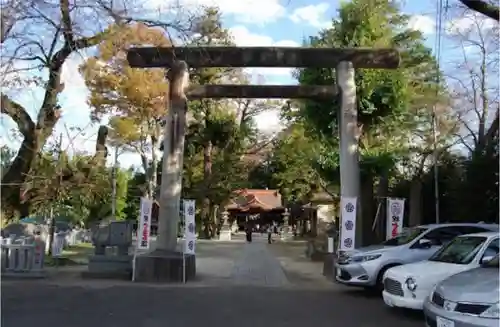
{"type": "Point", "coordinates": [160, 266]}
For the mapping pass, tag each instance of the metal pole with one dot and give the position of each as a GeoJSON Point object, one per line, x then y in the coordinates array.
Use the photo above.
{"type": "Point", "coordinates": [435, 159]}
{"type": "Point", "coordinates": [114, 183]}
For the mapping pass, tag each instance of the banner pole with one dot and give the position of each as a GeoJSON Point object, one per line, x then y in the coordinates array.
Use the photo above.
{"type": "Point", "coordinates": [133, 261]}
{"type": "Point", "coordinates": [184, 265]}
{"type": "Point", "coordinates": [184, 243]}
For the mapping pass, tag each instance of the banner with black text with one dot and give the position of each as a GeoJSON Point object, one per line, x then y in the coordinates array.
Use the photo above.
{"type": "Point", "coordinates": [395, 216]}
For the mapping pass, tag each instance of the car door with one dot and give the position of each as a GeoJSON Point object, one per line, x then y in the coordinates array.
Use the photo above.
{"type": "Point", "coordinates": [438, 237]}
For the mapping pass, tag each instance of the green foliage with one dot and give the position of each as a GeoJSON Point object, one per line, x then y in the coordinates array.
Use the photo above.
{"type": "Point", "coordinates": [391, 103]}
{"type": "Point", "coordinates": [6, 157]}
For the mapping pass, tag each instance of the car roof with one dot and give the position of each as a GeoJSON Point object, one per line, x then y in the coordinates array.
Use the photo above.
{"type": "Point", "coordinates": [483, 234]}
{"type": "Point", "coordinates": [492, 227]}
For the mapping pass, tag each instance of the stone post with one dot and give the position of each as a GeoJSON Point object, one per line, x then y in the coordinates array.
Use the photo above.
{"type": "Point", "coordinates": [349, 136]}
{"type": "Point", "coordinates": [286, 216]}
{"type": "Point", "coordinates": [173, 155]}
{"type": "Point", "coordinates": [225, 231]}
{"type": "Point", "coordinates": [166, 263]}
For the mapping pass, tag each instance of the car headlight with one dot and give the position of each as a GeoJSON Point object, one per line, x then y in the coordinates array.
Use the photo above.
{"type": "Point", "coordinates": [492, 312]}
{"type": "Point", "coordinates": [363, 258]}
{"type": "Point", "coordinates": [411, 284]}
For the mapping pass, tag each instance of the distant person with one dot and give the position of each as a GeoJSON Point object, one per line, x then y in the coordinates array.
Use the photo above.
{"type": "Point", "coordinates": [269, 234]}
{"type": "Point", "coordinates": [275, 229]}
{"type": "Point", "coordinates": [249, 233]}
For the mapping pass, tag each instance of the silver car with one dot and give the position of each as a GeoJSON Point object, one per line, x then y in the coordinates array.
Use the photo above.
{"type": "Point", "coordinates": [467, 299]}
{"type": "Point", "coordinates": [366, 266]}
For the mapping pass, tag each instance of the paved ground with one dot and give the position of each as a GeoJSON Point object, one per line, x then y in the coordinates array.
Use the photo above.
{"type": "Point", "coordinates": [239, 285]}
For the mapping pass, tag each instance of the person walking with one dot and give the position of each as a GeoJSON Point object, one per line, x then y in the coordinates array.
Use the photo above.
{"type": "Point", "coordinates": [249, 232]}
{"type": "Point", "coordinates": [269, 234]}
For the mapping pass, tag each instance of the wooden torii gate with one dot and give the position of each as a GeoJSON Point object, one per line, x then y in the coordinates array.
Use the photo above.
{"type": "Point", "coordinates": [163, 263]}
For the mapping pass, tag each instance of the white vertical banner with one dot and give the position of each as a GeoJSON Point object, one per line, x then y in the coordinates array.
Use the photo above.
{"type": "Point", "coordinates": [348, 223]}
{"type": "Point", "coordinates": [189, 226]}
{"type": "Point", "coordinates": [57, 245]}
{"type": "Point", "coordinates": [395, 216]}
{"type": "Point", "coordinates": [143, 230]}
{"type": "Point", "coordinates": [144, 226]}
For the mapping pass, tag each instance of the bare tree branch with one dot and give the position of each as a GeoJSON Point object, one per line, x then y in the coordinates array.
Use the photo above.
{"type": "Point", "coordinates": [18, 114]}
{"type": "Point", "coordinates": [484, 8]}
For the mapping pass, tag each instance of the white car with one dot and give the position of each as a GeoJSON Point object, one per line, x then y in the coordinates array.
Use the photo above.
{"type": "Point", "coordinates": [409, 285]}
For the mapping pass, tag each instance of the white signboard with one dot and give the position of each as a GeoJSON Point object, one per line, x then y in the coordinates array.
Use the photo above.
{"type": "Point", "coordinates": [189, 226]}
{"type": "Point", "coordinates": [395, 215]}
{"type": "Point", "coordinates": [144, 227]}
{"type": "Point", "coordinates": [57, 245]}
{"type": "Point", "coordinates": [348, 223]}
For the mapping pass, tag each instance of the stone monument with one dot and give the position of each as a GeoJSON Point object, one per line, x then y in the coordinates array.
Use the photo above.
{"type": "Point", "coordinates": [111, 258]}
{"type": "Point", "coordinates": [225, 231]}
{"type": "Point", "coordinates": [285, 235]}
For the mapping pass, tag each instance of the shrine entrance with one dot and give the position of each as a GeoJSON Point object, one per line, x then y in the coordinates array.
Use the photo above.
{"type": "Point", "coordinates": [256, 207]}
{"type": "Point", "coordinates": [179, 59]}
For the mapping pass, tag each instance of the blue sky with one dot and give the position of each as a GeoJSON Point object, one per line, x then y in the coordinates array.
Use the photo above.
{"type": "Point", "coordinates": [252, 23]}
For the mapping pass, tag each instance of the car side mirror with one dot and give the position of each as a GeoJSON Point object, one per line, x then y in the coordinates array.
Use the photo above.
{"type": "Point", "coordinates": [486, 259]}
{"type": "Point", "coordinates": [424, 243]}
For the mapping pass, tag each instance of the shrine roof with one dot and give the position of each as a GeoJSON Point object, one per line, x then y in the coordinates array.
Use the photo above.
{"type": "Point", "coordinates": [246, 199]}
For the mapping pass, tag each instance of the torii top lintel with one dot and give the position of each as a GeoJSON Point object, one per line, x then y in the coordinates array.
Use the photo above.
{"type": "Point", "coordinates": [200, 57]}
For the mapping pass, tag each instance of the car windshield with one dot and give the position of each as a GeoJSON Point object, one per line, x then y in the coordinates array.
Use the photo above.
{"type": "Point", "coordinates": [406, 236]}
{"type": "Point", "coordinates": [493, 263]}
{"type": "Point", "coordinates": [461, 250]}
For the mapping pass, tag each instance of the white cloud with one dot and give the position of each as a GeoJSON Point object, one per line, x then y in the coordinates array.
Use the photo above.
{"type": "Point", "coordinates": [424, 24]}
{"type": "Point", "coordinates": [75, 93]}
{"type": "Point", "coordinates": [312, 15]}
{"type": "Point", "coordinates": [245, 11]}
{"type": "Point", "coordinates": [243, 37]}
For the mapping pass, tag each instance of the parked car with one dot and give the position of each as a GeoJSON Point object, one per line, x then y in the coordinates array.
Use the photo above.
{"type": "Point", "coordinates": [407, 286]}
{"type": "Point", "coordinates": [365, 267]}
{"type": "Point", "coordinates": [467, 299]}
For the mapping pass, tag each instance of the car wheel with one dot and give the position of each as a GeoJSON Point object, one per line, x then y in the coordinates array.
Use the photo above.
{"type": "Point", "coordinates": [379, 287]}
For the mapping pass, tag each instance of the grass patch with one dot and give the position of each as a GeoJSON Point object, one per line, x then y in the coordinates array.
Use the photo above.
{"type": "Point", "coordinates": [72, 256]}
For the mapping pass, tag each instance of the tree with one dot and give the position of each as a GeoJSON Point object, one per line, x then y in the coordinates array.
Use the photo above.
{"type": "Point", "coordinates": [386, 99]}
{"type": "Point", "coordinates": [220, 132]}
{"type": "Point", "coordinates": [67, 28]}
{"type": "Point", "coordinates": [291, 164]}
{"type": "Point", "coordinates": [475, 100]}
{"type": "Point", "coordinates": [136, 98]}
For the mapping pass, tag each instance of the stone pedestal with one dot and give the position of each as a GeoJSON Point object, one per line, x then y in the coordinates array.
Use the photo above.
{"type": "Point", "coordinates": [164, 266]}
{"type": "Point", "coordinates": [109, 266]}
{"type": "Point", "coordinates": [328, 266]}
{"type": "Point", "coordinates": [225, 235]}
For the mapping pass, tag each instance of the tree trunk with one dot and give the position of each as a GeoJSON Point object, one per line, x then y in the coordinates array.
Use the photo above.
{"type": "Point", "coordinates": [153, 169]}
{"type": "Point", "coordinates": [416, 202]}
{"type": "Point", "coordinates": [207, 173]}
{"type": "Point", "coordinates": [367, 212]}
